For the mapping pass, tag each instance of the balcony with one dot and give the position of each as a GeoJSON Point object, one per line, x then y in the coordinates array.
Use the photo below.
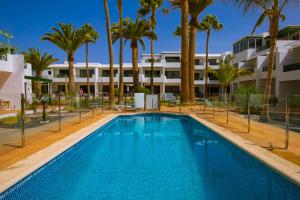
{"type": "Point", "coordinates": [145, 79]}
{"type": "Point", "coordinates": [83, 78]}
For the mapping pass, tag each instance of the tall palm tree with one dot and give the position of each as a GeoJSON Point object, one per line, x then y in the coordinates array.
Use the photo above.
{"type": "Point", "coordinates": [121, 73]}
{"type": "Point", "coordinates": [69, 39]}
{"type": "Point", "coordinates": [91, 35]}
{"type": "Point", "coordinates": [273, 11]}
{"type": "Point", "coordinates": [208, 23]}
{"type": "Point", "coordinates": [196, 7]}
{"type": "Point", "coordinates": [227, 73]}
{"type": "Point", "coordinates": [184, 51]}
{"type": "Point", "coordinates": [150, 6]}
{"type": "Point", "coordinates": [135, 31]}
{"type": "Point", "coordinates": [39, 63]}
{"type": "Point", "coordinates": [111, 56]}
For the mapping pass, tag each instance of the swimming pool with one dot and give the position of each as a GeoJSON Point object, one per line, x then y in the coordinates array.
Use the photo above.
{"type": "Point", "coordinates": [154, 156]}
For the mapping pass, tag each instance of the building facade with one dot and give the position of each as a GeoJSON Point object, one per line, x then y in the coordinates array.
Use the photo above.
{"type": "Point", "coordinates": [166, 74]}
{"type": "Point", "coordinates": [13, 71]}
{"type": "Point", "coordinates": [252, 53]}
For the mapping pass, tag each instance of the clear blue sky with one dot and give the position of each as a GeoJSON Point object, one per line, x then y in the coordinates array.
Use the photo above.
{"type": "Point", "coordinates": [29, 20]}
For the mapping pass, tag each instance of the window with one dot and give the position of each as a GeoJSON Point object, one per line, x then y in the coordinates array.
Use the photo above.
{"type": "Point", "coordinates": [128, 73]}
{"type": "Point", "coordinates": [258, 43]}
{"type": "Point", "coordinates": [213, 61]}
{"type": "Point", "coordinates": [172, 89]}
{"type": "Point", "coordinates": [265, 68]}
{"type": "Point", "coordinates": [172, 74]}
{"type": "Point", "coordinates": [49, 72]}
{"type": "Point", "coordinates": [172, 59]}
{"type": "Point", "coordinates": [211, 77]}
{"type": "Point", "coordinates": [235, 49]}
{"type": "Point", "coordinates": [291, 67]}
{"type": "Point", "coordinates": [63, 73]}
{"type": "Point", "coordinates": [82, 73]}
{"type": "Point", "coordinates": [155, 73]}
{"type": "Point", "coordinates": [61, 88]}
{"type": "Point", "coordinates": [251, 43]}
{"type": "Point", "coordinates": [156, 60]}
{"type": "Point", "coordinates": [105, 73]}
{"type": "Point", "coordinates": [198, 76]}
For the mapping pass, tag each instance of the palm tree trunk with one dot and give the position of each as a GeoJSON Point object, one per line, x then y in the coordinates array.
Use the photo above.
{"type": "Point", "coordinates": [273, 30]}
{"type": "Point", "coordinates": [135, 67]}
{"type": "Point", "coordinates": [111, 58]}
{"type": "Point", "coordinates": [152, 51]}
{"type": "Point", "coordinates": [206, 64]}
{"type": "Point", "coordinates": [71, 75]}
{"type": "Point", "coordinates": [87, 68]}
{"type": "Point", "coordinates": [192, 49]}
{"type": "Point", "coordinates": [38, 92]}
{"type": "Point", "coordinates": [184, 52]}
{"type": "Point", "coordinates": [121, 84]}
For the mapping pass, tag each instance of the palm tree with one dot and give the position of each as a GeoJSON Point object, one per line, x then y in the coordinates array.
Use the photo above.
{"type": "Point", "coordinates": [195, 9]}
{"type": "Point", "coordinates": [39, 63]}
{"type": "Point", "coordinates": [69, 39]}
{"type": "Point", "coordinates": [134, 31]}
{"type": "Point", "coordinates": [121, 73]}
{"type": "Point", "coordinates": [150, 6]}
{"type": "Point", "coordinates": [184, 52]}
{"type": "Point", "coordinates": [227, 73]}
{"type": "Point", "coordinates": [273, 11]}
{"type": "Point", "coordinates": [91, 35]}
{"type": "Point", "coordinates": [111, 56]}
{"type": "Point", "coordinates": [208, 23]}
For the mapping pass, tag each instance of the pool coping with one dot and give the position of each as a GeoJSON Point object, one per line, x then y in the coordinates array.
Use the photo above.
{"type": "Point", "coordinates": [280, 165]}
{"type": "Point", "coordinates": [23, 168]}
{"type": "Point", "coordinates": [18, 171]}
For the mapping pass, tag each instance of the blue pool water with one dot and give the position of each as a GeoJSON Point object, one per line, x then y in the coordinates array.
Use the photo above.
{"type": "Point", "coordinates": [154, 156]}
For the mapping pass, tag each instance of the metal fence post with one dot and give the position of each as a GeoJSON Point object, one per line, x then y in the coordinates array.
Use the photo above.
{"type": "Point", "coordinates": [59, 112]}
{"type": "Point", "coordinates": [152, 103]}
{"type": "Point", "coordinates": [227, 108]}
{"type": "Point", "coordinates": [22, 120]}
{"type": "Point", "coordinates": [287, 122]}
{"type": "Point", "coordinates": [159, 101]}
{"type": "Point", "coordinates": [180, 102]}
{"type": "Point", "coordinates": [93, 106]}
{"type": "Point", "coordinates": [79, 108]}
{"type": "Point", "coordinates": [219, 105]}
{"type": "Point", "coordinates": [125, 102]}
{"type": "Point", "coordinates": [204, 106]}
{"type": "Point", "coordinates": [102, 103]}
{"type": "Point", "coordinates": [214, 109]}
{"type": "Point", "coordinates": [248, 108]}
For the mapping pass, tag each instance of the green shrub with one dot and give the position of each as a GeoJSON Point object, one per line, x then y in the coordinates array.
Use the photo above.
{"type": "Point", "coordinates": [144, 90]}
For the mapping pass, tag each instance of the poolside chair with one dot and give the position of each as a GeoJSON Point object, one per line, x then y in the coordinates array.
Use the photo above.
{"type": "Point", "coordinates": [208, 103]}
{"type": "Point", "coordinates": [122, 107]}
{"type": "Point", "coordinates": [171, 99]}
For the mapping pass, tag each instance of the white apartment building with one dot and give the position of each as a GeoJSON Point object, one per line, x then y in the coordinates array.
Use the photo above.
{"type": "Point", "coordinates": [13, 71]}
{"type": "Point", "coordinates": [166, 74]}
{"type": "Point", "coordinates": [252, 53]}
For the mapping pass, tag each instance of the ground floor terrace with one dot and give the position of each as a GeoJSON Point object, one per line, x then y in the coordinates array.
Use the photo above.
{"type": "Point", "coordinates": [159, 88]}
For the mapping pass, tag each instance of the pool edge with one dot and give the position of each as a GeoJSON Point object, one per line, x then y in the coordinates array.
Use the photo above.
{"type": "Point", "coordinates": [23, 168]}
{"type": "Point", "coordinates": [280, 165]}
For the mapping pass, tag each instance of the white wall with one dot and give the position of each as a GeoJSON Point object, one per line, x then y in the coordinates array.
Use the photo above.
{"type": "Point", "coordinates": [12, 83]}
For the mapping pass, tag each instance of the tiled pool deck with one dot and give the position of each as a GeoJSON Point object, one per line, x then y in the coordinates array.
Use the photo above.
{"type": "Point", "coordinates": [34, 156]}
